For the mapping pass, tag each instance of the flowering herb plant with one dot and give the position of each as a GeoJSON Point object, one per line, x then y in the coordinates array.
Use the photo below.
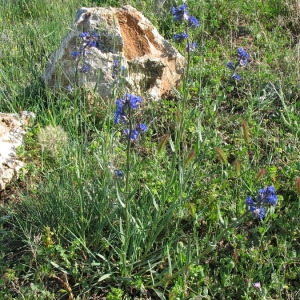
{"type": "Point", "coordinates": [88, 40]}
{"type": "Point", "coordinates": [242, 61]}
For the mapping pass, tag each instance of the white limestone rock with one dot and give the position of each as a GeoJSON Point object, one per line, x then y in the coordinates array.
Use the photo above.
{"type": "Point", "coordinates": [153, 67]}
{"type": "Point", "coordinates": [12, 131]}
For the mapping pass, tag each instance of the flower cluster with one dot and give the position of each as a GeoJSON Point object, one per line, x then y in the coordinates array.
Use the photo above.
{"type": "Point", "coordinates": [121, 104]}
{"type": "Point", "coordinates": [134, 134]}
{"type": "Point", "coordinates": [266, 197]}
{"type": "Point", "coordinates": [243, 58]}
{"type": "Point", "coordinates": [179, 37]}
{"type": "Point", "coordinates": [89, 40]}
{"type": "Point", "coordinates": [181, 14]}
{"type": "Point", "coordinates": [129, 102]}
{"type": "Point", "coordinates": [193, 22]}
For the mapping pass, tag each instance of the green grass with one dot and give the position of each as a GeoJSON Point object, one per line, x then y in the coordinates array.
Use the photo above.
{"type": "Point", "coordinates": [175, 226]}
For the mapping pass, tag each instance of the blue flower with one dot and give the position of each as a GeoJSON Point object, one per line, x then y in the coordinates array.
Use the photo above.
{"type": "Point", "coordinates": [179, 37]}
{"type": "Point", "coordinates": [120, 115]}
{"type": "Point", "coordinates": [95, 35]}
{"type": "Point", "coordinates": [120, 104]}
{"type": "Point", "coordinates": [118, 173]}
{"type": "Point", "coordinates": [126, 131]}
{"type": "Point", "coordinates": [242, 54]}
{"type": "Point", "coordinates": [249, 201]}
{"type": "Point", "coordinates": [258, 213]}
{"type": "Point", "coordinates": [131, 100]}
{"type": "Point", "coordinates": [84, 35]}
{"type": "Point", "coordinates": [119, 118]}
{"type": "Point", "coordinates": [91, 43]}
{"type": "Point", "coordinates": [180, 12]}
{"type": "Point", "coordinates": [123, 106]}
{"type": "Point", "coordinates": [236, 76]}
{"type": "Point", "coordinates": [116, 63]}
{"type": "Point", "coordinates": [243, 57]}
{"type": "Point", "coordinates": [193, 22]}
{"type": "Point", "coordinates": [230, 65]}
{"type": "Point", "coordinates": [84, 69]}
{"type": "Point", "coordinates": [90, 38]}
{"type": "Point", "coordinates": [243, 62]}
{"type": "Point", "coordinates": [191, 47]}
{"type": "Point", "coordinates": [75, 54]}
{"type": "Point", "coordinates": [272, 200]}
{"type": "Point", "coordinates": [135, 132]}
{"type": "Point", "coordinates": [270, 189]}
{"type": "Point", "coordinates": [267, 196]}
{"type": "Point", "coordinates": [142, 127]}
{"type": "Point", "coordinates": [134, 101]}
{"type": "Point", "coordinates": [134, 135]}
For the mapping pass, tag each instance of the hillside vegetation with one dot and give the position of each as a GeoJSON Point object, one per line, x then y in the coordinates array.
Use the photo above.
{"type": "Point", "coordinates": [202, 202]}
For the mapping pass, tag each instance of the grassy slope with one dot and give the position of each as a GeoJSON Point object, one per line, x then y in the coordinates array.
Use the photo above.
{"type": "Point", "coordinates": [71, 235]}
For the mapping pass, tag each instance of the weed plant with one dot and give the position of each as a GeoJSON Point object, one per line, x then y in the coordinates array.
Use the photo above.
{"type": "Point", "coordinates": [193, 197]}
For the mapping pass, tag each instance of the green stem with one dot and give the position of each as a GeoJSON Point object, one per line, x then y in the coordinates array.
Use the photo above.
{"type": "Point", "coordinates": [185, 89]}
{"type": "Point", "coordinates": [128, 152]}
{"type": "Point", "coordinates": [127, 199]}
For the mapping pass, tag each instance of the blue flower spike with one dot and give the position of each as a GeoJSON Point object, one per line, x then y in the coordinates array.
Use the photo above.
{"type": "Point", "coordinates": [266, 197]}
{"type": "Point", "coordinates": [89, 41]}
{"type": "Point", "coordinates": [132, 102]}
{"type": "Point", "coordinates": [181, 14]}
{"type": "Point", "coordinates": [120, 116]}
{"type": "Point", "coordinates": [243, 58]}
